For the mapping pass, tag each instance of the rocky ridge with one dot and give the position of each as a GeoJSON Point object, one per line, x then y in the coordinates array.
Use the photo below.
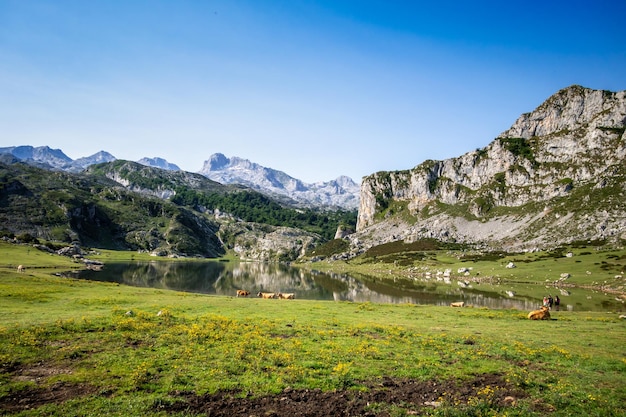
{"type": "Point", "coordinates": [342, 192]}
{"type": "Point", "coordinates": [42, 156]}
{"type": "Point", "coordinates": [54, 159]}
{"type": "Point", "coordinates": [556, 175]}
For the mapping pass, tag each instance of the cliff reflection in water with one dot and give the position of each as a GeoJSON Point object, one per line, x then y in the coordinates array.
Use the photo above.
{"type": "Point", "coordinates": [225, 278]}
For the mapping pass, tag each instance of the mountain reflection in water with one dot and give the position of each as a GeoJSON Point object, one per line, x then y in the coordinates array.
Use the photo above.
{"type": "Point", "coordinates": [225, 278]}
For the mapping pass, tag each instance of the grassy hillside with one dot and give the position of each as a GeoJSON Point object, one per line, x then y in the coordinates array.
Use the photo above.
{"type": "Point", "coordinates": [71, 348]}
{"type": "Point", "coordinates": [97, 212]}
{"type": "Point", "coordinates": [202, 194]}
{"type": "Point", "coordinates": [529, 275]}
{"type": "Point", "coordinates": [155, 210]}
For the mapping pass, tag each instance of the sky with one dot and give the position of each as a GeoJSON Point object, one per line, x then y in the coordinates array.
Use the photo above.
{"type": "Point", "coordinates": [316, 89]}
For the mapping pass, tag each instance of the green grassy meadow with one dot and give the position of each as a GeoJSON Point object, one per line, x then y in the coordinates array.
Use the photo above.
{"type": "Point", "coordinates": [122, 351]}
{"type": "Point", "coordinates": [535, 273]}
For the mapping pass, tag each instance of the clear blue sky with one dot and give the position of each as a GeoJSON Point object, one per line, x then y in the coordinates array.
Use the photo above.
{"type": "Point", "coordinates": [316, 89]}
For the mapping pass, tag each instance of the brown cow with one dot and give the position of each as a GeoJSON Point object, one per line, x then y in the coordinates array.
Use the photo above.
{"type": "Point", "coordinates": [267, 294]}
{"type": "Point", "coordinates": [542, 314]}
{"type": "Point", "coordinates": [243, 293]}
{"type": "Point", "coordinates": [286, 296]}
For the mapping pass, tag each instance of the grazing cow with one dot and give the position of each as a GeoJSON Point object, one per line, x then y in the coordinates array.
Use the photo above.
{"type": "Point", "coordinates": [286, 296]}
{"type": "Point", "coordinates": [542, 314]}
{"type": "Point", "coordinates": [458, 304]}
{"type": "Point", "coordinates": [20, 268]}
{"type": "Point", "coordinates": [267, 294]}
{"type": "Point", "coordinates": [243, 293]}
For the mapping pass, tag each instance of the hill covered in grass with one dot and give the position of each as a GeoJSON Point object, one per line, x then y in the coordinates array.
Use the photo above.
{"type": "Point", "coordinates": [125, 205]}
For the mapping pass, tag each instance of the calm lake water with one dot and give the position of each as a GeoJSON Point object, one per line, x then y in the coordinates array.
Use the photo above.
{"type": "Point", "coordinates": [225, 278]}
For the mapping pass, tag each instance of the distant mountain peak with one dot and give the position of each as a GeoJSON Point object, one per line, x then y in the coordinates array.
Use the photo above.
{"type": "Point", "coordinates": [342, 192]}
{"type": "Point", "coordinates": [216, 162]}
{"type": "Point", "coordinates": [97, 158]}
{"type": "Point", "coordinates": [157, 162]}
{"type": "Point", "coordinates": [55, 158]}
{"type": "Point", "coordinates": [102, 155]}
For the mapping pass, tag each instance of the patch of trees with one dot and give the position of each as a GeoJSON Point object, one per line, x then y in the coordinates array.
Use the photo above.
{"type": "Point", "coordinates": [255, 207]}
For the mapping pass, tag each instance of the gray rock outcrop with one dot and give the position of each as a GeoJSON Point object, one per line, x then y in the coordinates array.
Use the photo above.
{"type": "Point", "coordinates": [556, 175]}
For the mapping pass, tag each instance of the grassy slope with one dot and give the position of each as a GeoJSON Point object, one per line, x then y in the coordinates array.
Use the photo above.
{"type": "Point", "coordinates": [55, 330]}
{"type": "Point", "coordinates": [588, 267]}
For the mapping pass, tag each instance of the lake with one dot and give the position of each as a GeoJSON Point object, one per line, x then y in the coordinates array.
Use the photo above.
{"type": "Point", "coordinates": [225, 278]}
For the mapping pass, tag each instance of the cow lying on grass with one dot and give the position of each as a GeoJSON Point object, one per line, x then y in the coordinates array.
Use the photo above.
{"type": "Point", "coordinates": [458, 304]}
{"type": "Point", "coordinates": [286, 296]}
{"type": "Point", "coordinates": [243, 293]}
{"type": "Point", "coordinates": [542, 314]}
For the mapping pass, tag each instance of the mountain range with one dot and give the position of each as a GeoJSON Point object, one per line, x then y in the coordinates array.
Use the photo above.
{"type": "Point", "coordinates": [48, 158]}
{"type": "Point", "coordinates": [130, 206]}
{"type": "Point", "coordinates": [556, 176]}
{"type": "Point", "coordinates": [341, 193]}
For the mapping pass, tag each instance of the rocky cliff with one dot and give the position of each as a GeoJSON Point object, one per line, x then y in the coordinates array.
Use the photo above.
{"type": "Point", "coordinates": [557, 175]}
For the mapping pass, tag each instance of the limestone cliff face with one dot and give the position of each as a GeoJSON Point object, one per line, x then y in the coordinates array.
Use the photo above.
{"type": "Point", "coordinates": [569, 109]}
{"type": "Point", "coordinates": [258, 242]}
{"type": "Point", "coordinates": [575, 139]}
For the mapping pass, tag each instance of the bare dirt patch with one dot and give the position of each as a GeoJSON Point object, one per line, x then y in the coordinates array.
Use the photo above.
{"type": "Point", "coordinates": [39, 393]}
{"type": "Point", "coordinates": [409, 394]}
{"type": "Point", "coordinates": [39, 372]}
{"type": "Point", "coordinates": [34, 397]}
{"type": "Point", "coordinates": [374, 400]}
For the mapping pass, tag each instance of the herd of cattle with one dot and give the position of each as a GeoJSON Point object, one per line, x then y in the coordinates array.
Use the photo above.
{"type": "Point", "coordinates": [542, 314]}
{"type": "Point", "coordinates": [282, 295]}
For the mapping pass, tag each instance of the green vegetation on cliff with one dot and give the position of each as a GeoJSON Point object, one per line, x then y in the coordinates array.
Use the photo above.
{"type": "Point", "coordinates": [255, 207]}
{"type": "Point", "coordinates": [519, 147]}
